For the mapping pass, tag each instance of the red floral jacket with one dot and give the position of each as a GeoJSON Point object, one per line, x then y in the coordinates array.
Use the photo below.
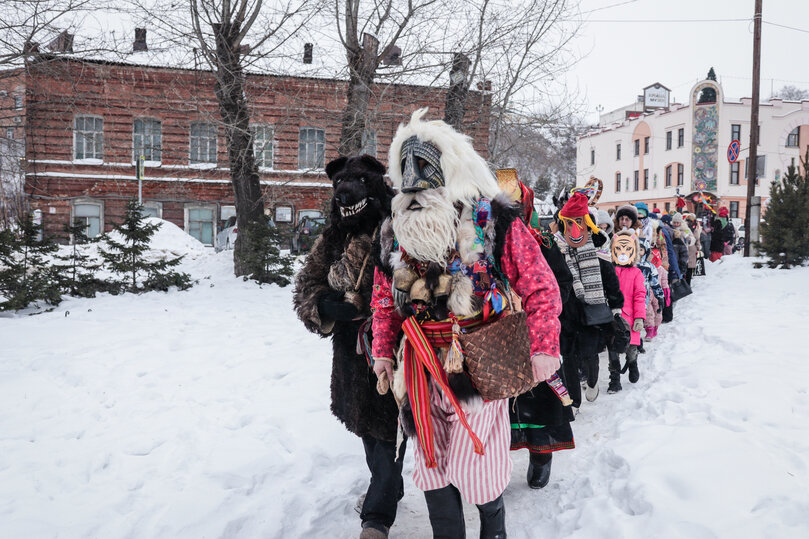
{"type": "Point", "coordinates": [529, 275]}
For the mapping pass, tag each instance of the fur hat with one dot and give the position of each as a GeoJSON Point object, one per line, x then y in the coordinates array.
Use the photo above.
{"type": "Point", "coordinates": [603, 217]}
{"type": "Point", "coordinates": [676, 218]}
{"type": "Point", "coordinates": [466, 173]}
{"type": "Point", "coordinates": [628, 211]}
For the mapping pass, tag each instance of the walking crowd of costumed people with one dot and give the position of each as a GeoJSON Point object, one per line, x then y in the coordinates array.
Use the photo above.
{"type": "Point", "coordinates": [464, 329]}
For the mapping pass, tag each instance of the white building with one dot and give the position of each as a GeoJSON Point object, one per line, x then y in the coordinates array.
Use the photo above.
{"type": "Point", "coordinates": [681, 149]}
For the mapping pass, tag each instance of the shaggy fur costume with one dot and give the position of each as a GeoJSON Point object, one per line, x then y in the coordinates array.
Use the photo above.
{"type": "Point", "coordinates": [462, 301]}
{"type": "Point", "coordinates": [334, 264]}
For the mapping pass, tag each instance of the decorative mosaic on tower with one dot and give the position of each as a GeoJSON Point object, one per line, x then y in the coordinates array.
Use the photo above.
{"type": "Point", "coordinates": [704, 147]}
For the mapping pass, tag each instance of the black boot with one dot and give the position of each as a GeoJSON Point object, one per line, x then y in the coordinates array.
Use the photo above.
{"type": "Point", "coordinates": [539, 469]}
{"type": "Point", "coordinates": [446, 513]}
{"type": "Point", "coordinates": [632, 364]}
{"type": "Point", "coordinates": [493, 519]}
{"type": "Point", "coordinates": [615, 373]}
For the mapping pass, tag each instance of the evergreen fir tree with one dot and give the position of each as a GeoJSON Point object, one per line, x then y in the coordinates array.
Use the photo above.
{"type": "Point", "coordinates": [26, 274]}
{"type": "Point", "coordinates": [127, 258]}
{"type": "Point", "coordinates": [785, 231]}
{"type": "Point", "coordinates": [77, 271]}
{"type": "Point", "coordinates": [270, 265]}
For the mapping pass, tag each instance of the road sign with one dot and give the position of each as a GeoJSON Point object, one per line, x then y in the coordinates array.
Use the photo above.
{"type": "Point", "coordinates": [733, 151]}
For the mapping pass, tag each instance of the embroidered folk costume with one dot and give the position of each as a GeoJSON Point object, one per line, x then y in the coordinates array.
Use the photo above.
{"type": "Point", "coordinates": [454, 255]}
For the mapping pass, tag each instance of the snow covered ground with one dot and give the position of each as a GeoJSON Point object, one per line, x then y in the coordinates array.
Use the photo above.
{"type": "Point", "coordinates": [205, 413]}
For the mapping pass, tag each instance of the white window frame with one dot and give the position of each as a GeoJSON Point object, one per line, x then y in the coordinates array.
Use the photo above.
{"type": "Point", "coordinates": [321, 161]}
{"type": "Point", "coordinates": [136, 154]}
{"type": "Point", "coordinates": [187, 221]}
{"type": "Point", "coordinates": [154, 204]}
{"type": "Point", "coordinates": [266, 145]}
{"type": "Point", "coordinates": [87, 160]}
{"type": "Point", "coordinates": [10, 133]}
{"type": "Point", "coordinates": [18, 102]}
{"type": "Point", "coordinates": [796, 133]}
{"type": "Point", "coordinates": [88, 202]}
{"type": "Point", "coordinates": [203, 164]}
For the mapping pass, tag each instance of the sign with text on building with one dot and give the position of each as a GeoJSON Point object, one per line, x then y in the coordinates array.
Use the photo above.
{"type": "Point", "coordinates": [656, 96]}
{"type": "Point", "coordinates": [733, 150]}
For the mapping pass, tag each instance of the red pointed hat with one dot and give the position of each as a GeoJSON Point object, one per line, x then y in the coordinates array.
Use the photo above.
{"type": "Point", "coordinates": [576, 206]}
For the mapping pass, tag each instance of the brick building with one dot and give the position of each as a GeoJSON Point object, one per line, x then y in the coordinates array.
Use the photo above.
{"type": "Point", "coordinates": [84, 123]}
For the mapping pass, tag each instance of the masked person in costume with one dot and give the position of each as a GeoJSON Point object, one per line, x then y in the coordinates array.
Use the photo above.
{"type": "Point", "coordinates": [453, 248]}
{"type": "Point", "coordinates": [590, 317]}
{"type": "Point", "coordinates": [332, 297]}
{"type": "Point", "coordinates": [625, 254]}
{"type": "Point", "coordinates": [539, 420]}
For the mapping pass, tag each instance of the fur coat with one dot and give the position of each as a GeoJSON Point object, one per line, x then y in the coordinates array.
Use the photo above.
{"type": "Point", "coordinates": [330, 265]}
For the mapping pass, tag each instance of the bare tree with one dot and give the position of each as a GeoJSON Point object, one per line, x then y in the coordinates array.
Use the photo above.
{"type": "Point", "coordinates": [369, 33]}
{"type": "Point", "coordinates": [232, 36]}
{"type": "Point", "coordinates": [519, 50]}
{"type": "Point", "coordinates": [791, 93]}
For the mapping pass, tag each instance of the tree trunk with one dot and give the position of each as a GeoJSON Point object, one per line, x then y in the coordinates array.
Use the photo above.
{"type": "Point", "coordinates": [362, 64]}
{"type": "Point", "coordinates": [243, 170]}
{"type": "Point", "coordinates": [455, 107]}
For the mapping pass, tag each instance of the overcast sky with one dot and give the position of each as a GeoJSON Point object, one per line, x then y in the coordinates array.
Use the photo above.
{"type": "Point", "coordinates": [620, 58]}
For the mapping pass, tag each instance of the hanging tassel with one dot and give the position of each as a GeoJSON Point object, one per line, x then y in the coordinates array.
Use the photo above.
{"type": "Point", "coordinates": [453, 363]}
{"type": "Point", "coordinates": [493, 302]}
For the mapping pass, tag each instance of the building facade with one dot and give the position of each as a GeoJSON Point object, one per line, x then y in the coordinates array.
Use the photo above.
{"type": "Point", "coordinates": [85, 124]}
{"type": "Point", "coordinates": [681, 150]}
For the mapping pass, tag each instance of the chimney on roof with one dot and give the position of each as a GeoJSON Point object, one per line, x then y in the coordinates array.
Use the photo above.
{"type": "Point", "coordinates": [140, 40]}
{"type": "Point", "coordinates": [394, 57]}
{"type": "Point", "coordinates": [62, 43]}
{"type": "Point", "coordinates": [307, 53]}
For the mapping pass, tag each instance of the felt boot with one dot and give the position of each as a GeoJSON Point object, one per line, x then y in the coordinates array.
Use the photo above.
{"type": "Point", "coordinates": [539, 469]}
{"type": "Point", "coordinates": [372, 530]}
{"type": "Point", "coordinates": [446, 513]}
{"type": "Point", "coordinates": [632, 364]}
{"type": "Point", "coordinates": [615, 373]}
{"type": "Point", "coordinates": [493, 519]}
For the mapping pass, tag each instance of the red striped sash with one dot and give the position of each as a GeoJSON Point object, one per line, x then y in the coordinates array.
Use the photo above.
{"type": "Point", "coordinates": [418, 355]}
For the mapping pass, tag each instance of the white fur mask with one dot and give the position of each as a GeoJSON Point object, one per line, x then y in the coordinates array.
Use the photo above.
{"type": "Point", "coordinates": [426, 234]}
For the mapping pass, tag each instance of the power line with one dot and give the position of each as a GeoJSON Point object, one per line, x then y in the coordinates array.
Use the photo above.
{"type": "Point", "coordinates": [787, 27]}
{"type": "Point", "coordinates": [608, 7]}
{"type": "Point", "coordinates": [666, 20]}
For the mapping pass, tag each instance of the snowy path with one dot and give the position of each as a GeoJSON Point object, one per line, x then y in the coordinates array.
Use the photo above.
{"type": "Point", "coordinates": [205, 414]}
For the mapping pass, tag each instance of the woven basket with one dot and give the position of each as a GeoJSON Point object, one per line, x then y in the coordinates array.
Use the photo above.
{"type": "Point", "coordinates": [498, 357]}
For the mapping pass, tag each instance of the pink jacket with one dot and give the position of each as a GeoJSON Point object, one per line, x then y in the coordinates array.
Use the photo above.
{"type": "Point", "coordinates": [633, 288]}
{"type": "Point", "coordinates": [530, 277]}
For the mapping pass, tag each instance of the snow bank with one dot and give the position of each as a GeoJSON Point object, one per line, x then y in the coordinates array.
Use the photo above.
{"type": "Point", "coordinates": [169, 238]}
{"type": "Point", "coordinates": [205, 413]}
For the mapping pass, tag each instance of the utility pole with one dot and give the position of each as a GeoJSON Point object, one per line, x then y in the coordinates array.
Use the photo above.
{"type": "Point", "coordinates": [752, 162]}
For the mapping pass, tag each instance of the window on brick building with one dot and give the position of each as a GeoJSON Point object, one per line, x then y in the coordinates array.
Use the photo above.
{"type": "Point", "coordinates": [88, 137]}
{"type": "Point", "coordinates": [646, 145]}
{"type": "Point", "coordinates": [668, 207]}
{"type": "Point", "coordinates": [311, 148]}
{"type": "Point", "coordinates": [668, 140]}
{"type": "Point", "coordinates": [734, 173]}
{"type": "Point", "coordinates": [147, 137]}
{"type": "Point", "coordinates": [793, 139]}
{"type": "Point", "coordinates": [617, 182]}
{"type": "Point", "coordinates": [263, 136]}
{"type": "Point", "coordinates": [618, 152]}
{"type": "Point", "coordinates": [90, 214]}
{"type": "Point", "coordinates": [681, 137]}
{"type": "Point", "coordinates": [734, 209]}
{"type": "Point", "coordinates": [637, 179]}
{"type": "Point", "coordinates": [10, 133]}
{"type": "Point", "coordinates": [203, 143]}
{"type": "Point", "coordinates": [18, 102]}
{"type": "Point", "coordinates": [199, 223]}
{"type": "Point", "coordinates": [645, 179]}
{"type": "Point", "coordinates": [637, 146]}
{"type": "Point", "coordinates": [369, 142]}
{"type": "Point", "coordinates": [152, 208]}
{"type": "Point", "coordinates": [668, 176]}
{"type": "Point", "coordinates": [680, 174]}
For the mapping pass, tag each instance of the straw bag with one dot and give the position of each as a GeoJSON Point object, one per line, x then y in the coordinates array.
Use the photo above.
{"type": "Point", "coordinates": [498, 357]}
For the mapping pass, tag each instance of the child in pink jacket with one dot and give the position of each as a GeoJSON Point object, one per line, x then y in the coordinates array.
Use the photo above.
{"type": "Point", "coordinates": [625, 252]}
